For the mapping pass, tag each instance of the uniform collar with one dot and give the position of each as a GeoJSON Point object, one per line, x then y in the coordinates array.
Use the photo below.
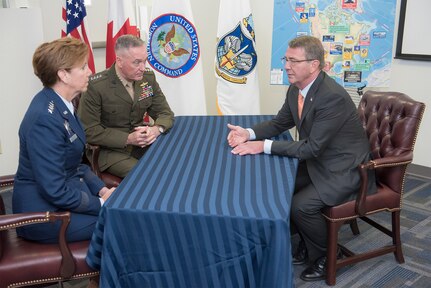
{"type": "Point", "coordinates": [122, 80]}
{"type": "Point", "coordinates": [68, 104]}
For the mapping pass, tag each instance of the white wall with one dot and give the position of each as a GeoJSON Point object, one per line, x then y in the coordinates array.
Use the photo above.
{"type": "Point", "coordinates": [409, 77]}
{"type": "Point", "coordinates": [17, 81]}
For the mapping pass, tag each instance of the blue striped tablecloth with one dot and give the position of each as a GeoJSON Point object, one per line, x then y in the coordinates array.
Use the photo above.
{"type": "Point", "coordinates": [191, 214]}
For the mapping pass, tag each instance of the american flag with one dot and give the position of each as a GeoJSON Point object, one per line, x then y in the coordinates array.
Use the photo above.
{"type": "Point", "coordinates": [73, 15]}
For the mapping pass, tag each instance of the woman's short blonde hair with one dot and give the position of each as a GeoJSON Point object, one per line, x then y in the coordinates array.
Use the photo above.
{"type": "Point", "coordinates": [50, 57]}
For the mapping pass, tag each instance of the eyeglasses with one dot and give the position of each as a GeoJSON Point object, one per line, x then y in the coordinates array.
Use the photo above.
{"type": "Point", "coordinates": [293, 62]}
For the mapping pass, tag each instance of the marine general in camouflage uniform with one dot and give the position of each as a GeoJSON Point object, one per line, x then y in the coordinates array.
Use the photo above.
{"type": "Point", "coordinates": [113, 108]}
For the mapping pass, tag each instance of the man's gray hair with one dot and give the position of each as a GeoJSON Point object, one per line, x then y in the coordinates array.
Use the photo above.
{"type": "Point", "coordinates": [127, 41]}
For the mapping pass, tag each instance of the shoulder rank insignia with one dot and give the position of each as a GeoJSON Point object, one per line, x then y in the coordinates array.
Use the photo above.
{"type": "Point", "coordinates": [51, 107]}
{"type": "Point", "coordinates": [96, 76]}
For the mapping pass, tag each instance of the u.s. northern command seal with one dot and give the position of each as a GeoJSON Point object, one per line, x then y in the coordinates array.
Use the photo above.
{"type": "Point", "coordinates": [173, 46]}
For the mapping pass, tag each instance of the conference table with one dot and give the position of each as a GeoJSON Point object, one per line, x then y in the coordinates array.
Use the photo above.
{"type": "Point", "coordinates": [192, 214]}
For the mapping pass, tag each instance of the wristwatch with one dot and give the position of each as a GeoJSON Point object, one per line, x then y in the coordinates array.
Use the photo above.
{"type": "Point", "coordinates": [161, 130]}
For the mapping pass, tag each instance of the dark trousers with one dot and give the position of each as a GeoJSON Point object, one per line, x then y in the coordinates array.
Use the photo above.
{"type": "Point", "coordinates": [122, 168]}
{"type": "Point", "coordinates": [306, 216]}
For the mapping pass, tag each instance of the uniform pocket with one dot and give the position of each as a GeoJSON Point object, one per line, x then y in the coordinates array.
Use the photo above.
{"type": "Point", "coordinates": [116, 115]}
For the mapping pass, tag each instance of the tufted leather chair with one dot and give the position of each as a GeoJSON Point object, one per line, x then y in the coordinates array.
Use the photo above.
{"type": "Point", "coordinates": [109, 179]}
{"type": "Point", "coordinates": [391, 121]}
{"type": "Point", "coordinates": [26, 263]}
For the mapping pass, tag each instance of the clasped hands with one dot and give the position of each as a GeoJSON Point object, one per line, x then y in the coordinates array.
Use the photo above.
{"type": "Point", "coordinates": [238, 139]}
{"type": "Point", "coordinates": [105, 192]}
{"type": "Point", "coordinates": [143, 136]}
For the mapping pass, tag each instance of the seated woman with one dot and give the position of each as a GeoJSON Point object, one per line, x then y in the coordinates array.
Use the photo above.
{"type": "Point", "coordinates": [50, 175]}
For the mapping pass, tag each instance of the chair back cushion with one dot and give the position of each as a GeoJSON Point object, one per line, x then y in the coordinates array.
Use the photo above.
{"type": "Point", "coordinates": [75, 102]}
{"type": "Point", "coordinates": [2, 233]}
{"type": "Point", "coordinates": [5, 181]}
{"type": "Point", "coordinates": [391, 121]}
{"type": "Point", "coordinates": [2, 208]}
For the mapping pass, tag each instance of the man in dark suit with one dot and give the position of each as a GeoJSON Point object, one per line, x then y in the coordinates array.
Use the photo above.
{"type": "Point", "coordinates": [332, 143]}
{"type": "Point", "coordinates": [113, 108]}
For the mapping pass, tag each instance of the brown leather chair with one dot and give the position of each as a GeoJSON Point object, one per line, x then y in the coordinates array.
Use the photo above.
{"type": "Point", "coordinates": [109, 179]}
{"type": "Point", "coordinates": [27, 263]}
{"type": "Point", "coordinates": [391, 121]}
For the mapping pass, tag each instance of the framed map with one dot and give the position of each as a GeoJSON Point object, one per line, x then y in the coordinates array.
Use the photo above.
{"type": "Point", "coordinates": [357, 36]}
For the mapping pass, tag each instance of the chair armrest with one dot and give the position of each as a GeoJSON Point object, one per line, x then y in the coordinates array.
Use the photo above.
{"type": "Point", "coordinates": [6, 180]}
{"type": "Point", "coordinates": [94, 161]}
{"type": "Point", "coordinates": [12, 221]}
{"type": "Point", "coordinates": [402, 159]}
{"type": "Point", "coordinates": [391, 161]}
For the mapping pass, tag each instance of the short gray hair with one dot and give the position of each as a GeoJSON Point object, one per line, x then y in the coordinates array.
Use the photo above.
{"type": "Point", "coordinates": [127, 41]}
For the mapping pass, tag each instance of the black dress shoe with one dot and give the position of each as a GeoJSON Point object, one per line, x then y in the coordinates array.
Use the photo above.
{"type": "Point", "coordinates": [317, 271]}
{"type": "Point", "coordinates": [301, 255]}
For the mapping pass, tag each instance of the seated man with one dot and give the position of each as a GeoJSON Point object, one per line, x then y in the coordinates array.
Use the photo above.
{"type": "Point", "coordinates": [113, 108]}
{"type": "Point", "coordinates": [331, 145]}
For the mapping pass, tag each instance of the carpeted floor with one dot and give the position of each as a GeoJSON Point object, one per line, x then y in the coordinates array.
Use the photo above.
{"type": "Point", "coordinates": [383, 271]}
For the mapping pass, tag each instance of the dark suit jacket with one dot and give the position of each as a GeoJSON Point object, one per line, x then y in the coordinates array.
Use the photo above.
{"type": "Point", "coordinates": [50, 176]}
{"type": "Point", "coordinates": [332, 140]}
{"type": "Point", "coordinates": [109, 114]}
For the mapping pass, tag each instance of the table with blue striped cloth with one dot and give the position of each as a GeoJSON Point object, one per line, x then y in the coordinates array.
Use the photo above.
{"type": "Point", "coordinates": [192, 214]}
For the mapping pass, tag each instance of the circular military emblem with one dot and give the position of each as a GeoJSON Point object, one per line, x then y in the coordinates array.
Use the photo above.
{"type": "Point", "coordinates": [173, 46]}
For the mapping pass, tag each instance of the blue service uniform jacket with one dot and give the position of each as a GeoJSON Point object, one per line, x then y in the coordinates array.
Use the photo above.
{"type": "Point", "coordinates": [50, 175]}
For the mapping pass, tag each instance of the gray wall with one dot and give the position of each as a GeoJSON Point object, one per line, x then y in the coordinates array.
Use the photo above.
{"type": "Point", "coordinates": [409, 77]}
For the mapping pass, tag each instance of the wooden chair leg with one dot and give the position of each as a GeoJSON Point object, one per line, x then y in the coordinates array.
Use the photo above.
{"type": "Point", "coordinates": [354, 227]}
{"type": "Point", "coordinates": [331, 253]}
{"type": "Point", "coordinates": [396, 238]}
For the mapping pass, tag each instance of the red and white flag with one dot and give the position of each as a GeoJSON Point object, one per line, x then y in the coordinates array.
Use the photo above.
{"type": "Point", "coordinates": [73, 13]}
{"type": "Point", "coordinates": [121, 21]}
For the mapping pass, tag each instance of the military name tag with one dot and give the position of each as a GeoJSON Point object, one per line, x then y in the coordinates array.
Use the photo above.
{"type": "Point", "coordinates": [73, 138]}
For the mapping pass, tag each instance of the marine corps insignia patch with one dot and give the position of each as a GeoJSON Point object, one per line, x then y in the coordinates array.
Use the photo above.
{"type": "Point", "coordinates": [236, 55]}
{"type": "Point", "coordinates": [173, 46]}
